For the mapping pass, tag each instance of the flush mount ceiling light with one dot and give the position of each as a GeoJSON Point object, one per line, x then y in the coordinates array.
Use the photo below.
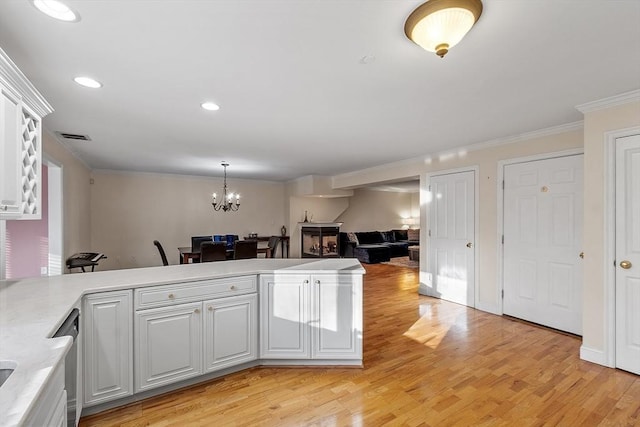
{"type": "Point", "coordinates": [210, 106]}
{"type": "Point", "coordinates": [439, 25]}
{"type": "Point", "coordinates": [57, 10]}
{"type": "Point", "coordinates": [88, 82]}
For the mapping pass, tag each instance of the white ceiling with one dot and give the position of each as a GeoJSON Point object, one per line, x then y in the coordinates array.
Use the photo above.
{"type": "Point", "coordinates": [295, 97]}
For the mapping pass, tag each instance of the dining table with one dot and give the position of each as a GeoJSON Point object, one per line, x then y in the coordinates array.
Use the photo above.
{"type": "Point", "coordinates": [188, 254]}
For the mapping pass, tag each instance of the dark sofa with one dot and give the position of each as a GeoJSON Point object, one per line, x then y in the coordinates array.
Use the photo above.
{"type": "Point", "coordinates": [372, 247]}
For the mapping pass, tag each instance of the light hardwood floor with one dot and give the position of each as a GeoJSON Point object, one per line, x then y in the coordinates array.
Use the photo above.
{"type": "Point", "coordinates": [427, 363]}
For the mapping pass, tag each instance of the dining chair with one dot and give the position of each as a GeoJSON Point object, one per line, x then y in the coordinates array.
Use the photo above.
{"type": "Point", "coordinates": [213, 251]}
{"type": "Point", "coordinates": [196, 241]}
{"type": "Point", "coordinates": [243, 249]}
{"type": "Point", "coordinates": [162, 254]}
{"type": "Point", "coordinates": [272, 246]}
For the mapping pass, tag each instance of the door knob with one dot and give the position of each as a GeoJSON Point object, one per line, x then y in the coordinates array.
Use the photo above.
{"type": "Point", "coordinates": [625, 264]}
{"type": "Point", "coordinates": [469, 245]}
{"type": "Point", "coordinates": [581, 255]}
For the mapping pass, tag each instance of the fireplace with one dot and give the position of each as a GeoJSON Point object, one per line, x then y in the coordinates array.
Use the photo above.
{"type": "Point", "coordinates": [320, 240]}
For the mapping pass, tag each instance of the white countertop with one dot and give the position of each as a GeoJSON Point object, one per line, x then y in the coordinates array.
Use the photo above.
{"type": "Point", "coordinates": [31, 310]}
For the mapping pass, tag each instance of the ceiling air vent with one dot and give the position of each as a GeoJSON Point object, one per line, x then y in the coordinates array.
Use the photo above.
{"type": "Point", "coordinates": [73, 136]}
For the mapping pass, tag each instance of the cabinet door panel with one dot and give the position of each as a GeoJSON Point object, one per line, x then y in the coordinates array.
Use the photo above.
{"type": "Point", "coordinates": [336, 326]}
{"type": "Point", "coordinates": [10, 195]}
{"type": "Point", "coordinates": [284, 312]}
{"type": "Point", "coordinates": [168, 345]}
{"type": "Point", "coordinates": [230, 331]}
{"type": "Point", "coordinates": [108, 350]}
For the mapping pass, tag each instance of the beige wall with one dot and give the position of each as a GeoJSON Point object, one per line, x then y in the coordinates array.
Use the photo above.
{"type": "Point", "coordinates": [76, 195]}
{"type": "Point", "coordinates": [371, 210]}
{"type": "Point", "coordinates": [596, 124]}
{"type": "Point", "coordinates": [487, 161]}
{"type": "Point", "coordinates": [131, 210]}
{"type": "Point", "coordinates": [319, 209]}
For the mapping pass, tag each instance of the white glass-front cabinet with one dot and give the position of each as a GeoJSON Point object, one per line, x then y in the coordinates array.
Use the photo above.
{"type": "Point", "coordinates": [21, 110]}
{"type": "Point", "coordinates": [311, 316]}
{"type": "Point", "coordinates": [10, 194]}
{"type": "Point", "coordinates": [108, 346]}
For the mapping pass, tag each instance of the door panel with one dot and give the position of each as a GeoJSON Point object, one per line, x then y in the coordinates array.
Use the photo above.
{"type": "Point", "coordinates": [230, 331]}
{"type": "Point", "coordinates": [628, 249]}
{"type": "Point", "coordinates": [542, 241]}
{"type": "Point", "coordinates": [452, 230]}
{"type": "Point", "coordinates": [168, 345]}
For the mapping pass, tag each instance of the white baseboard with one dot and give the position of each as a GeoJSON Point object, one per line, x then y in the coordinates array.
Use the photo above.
{"type": "Point", "coordinates": [489, 308]}
{"type": "Point", "coordinates": [594, 356]}
{"type": "Point", "coordinates": [424, 289]}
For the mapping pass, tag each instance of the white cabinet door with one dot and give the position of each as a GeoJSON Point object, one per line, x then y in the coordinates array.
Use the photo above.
{"type": "Point", "coordinates": [336, 324]}
{"type": "Point", "coordinates": [230, 331]}
{"type": "Point", "coordinates": [50, 409]}
{"type": "Point", "coordinates": [108, 346]}
{"type": "Point", "coordinates": [284, 313]}
{"type": "Point", "coordinates": [10, 152]}
{"type": "Point", "coordinates": [168, 346]}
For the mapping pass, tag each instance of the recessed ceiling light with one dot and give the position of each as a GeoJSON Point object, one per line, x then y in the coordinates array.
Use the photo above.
{"type": "Point", "coordinates": [88, 82]}
{"type": "Point", "coordinates": [210, 106]}
{"type": "Point", "coordinates": [57, 10]}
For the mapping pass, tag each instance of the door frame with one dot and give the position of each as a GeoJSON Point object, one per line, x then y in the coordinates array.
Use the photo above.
{"type": "Point", "coordinates": [56, 215]}
{"type": "Point", "coordinates": [500, 211]}
{"type": "Point", "coordinates": [610, 242]}
{"type": "Point", "coordinates": [426, 277]}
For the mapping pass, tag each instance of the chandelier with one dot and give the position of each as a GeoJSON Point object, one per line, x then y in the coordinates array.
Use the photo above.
{"type": "Point", "coordinates": [227, 203]}
{"type": "Point", "coordinates": [438, 25]}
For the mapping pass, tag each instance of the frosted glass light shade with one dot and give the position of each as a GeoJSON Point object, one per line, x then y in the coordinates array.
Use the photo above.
{"type": "Point", "coordinates": [438, 25]}
{"type": "Point", "coordinates": [57, 10]}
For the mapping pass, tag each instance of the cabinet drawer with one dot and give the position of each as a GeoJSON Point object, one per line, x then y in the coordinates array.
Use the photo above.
{"type": "Point", "coordinates": [158, 296]}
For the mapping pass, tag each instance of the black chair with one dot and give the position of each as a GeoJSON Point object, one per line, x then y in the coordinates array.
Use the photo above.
{"type": "Point", "coordinates": [244, 249]}
{"type": "Point", "coordinates": [213, 251]}
{"type": "Point", "coordinates": [162, 254]}
{"type": "Point", "coordinates": [196, 241]}
{"type": "Point", "coordinates": [274, 241]}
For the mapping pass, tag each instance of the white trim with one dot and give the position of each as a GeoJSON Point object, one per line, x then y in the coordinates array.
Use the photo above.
{"type": "Point", "coordinates": [513, 139]}
{"type": "Point", "coordinates": [425, 216]}
{"type": "Point", "coordinates": [3, 245]}
{"type": "Point", "coordinates": [594, 356]}
{"type": "Point", "coordinates": [500, 210]}
{"type": "Point", "coordinates": [611, 101]}
{"type": "Point", "coordinates": [609, 273]}
{"type": "Point", "coordinates": [424, 159]}
{"type": "Point", "coordinates": [11, 75]}
{"type": "Point", "coordinates": [56, 213]}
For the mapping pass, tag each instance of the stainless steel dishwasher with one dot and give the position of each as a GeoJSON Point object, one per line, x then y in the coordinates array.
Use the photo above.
{"type": "Point", "coordinates": [71, 327]}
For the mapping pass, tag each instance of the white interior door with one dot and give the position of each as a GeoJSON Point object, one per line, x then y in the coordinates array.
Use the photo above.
{"type": "Point", "coordinates": [628, 253]}
{"type": "Point", "coordinates": [452, 233]}
{"type": "Point", "coordinates": [542, 242]}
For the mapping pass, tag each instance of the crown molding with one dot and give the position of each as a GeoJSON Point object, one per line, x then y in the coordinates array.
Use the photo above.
{"type": "Point", "coordinates": [612, 101]}
{"type": "Point", "coordinates": [11, 75]}
{"type": "Point", "coordinates": [409, 164]}
{"type": "Point", "coordinates": [540, 133]}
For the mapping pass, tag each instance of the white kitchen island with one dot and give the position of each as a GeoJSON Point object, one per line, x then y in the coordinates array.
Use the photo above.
{"type": "Point", "coordinates": [294, 312]}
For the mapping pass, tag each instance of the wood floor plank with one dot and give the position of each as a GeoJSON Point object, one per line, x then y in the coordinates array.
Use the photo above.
{"type": "Point", "coordinates": [427, 363]}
